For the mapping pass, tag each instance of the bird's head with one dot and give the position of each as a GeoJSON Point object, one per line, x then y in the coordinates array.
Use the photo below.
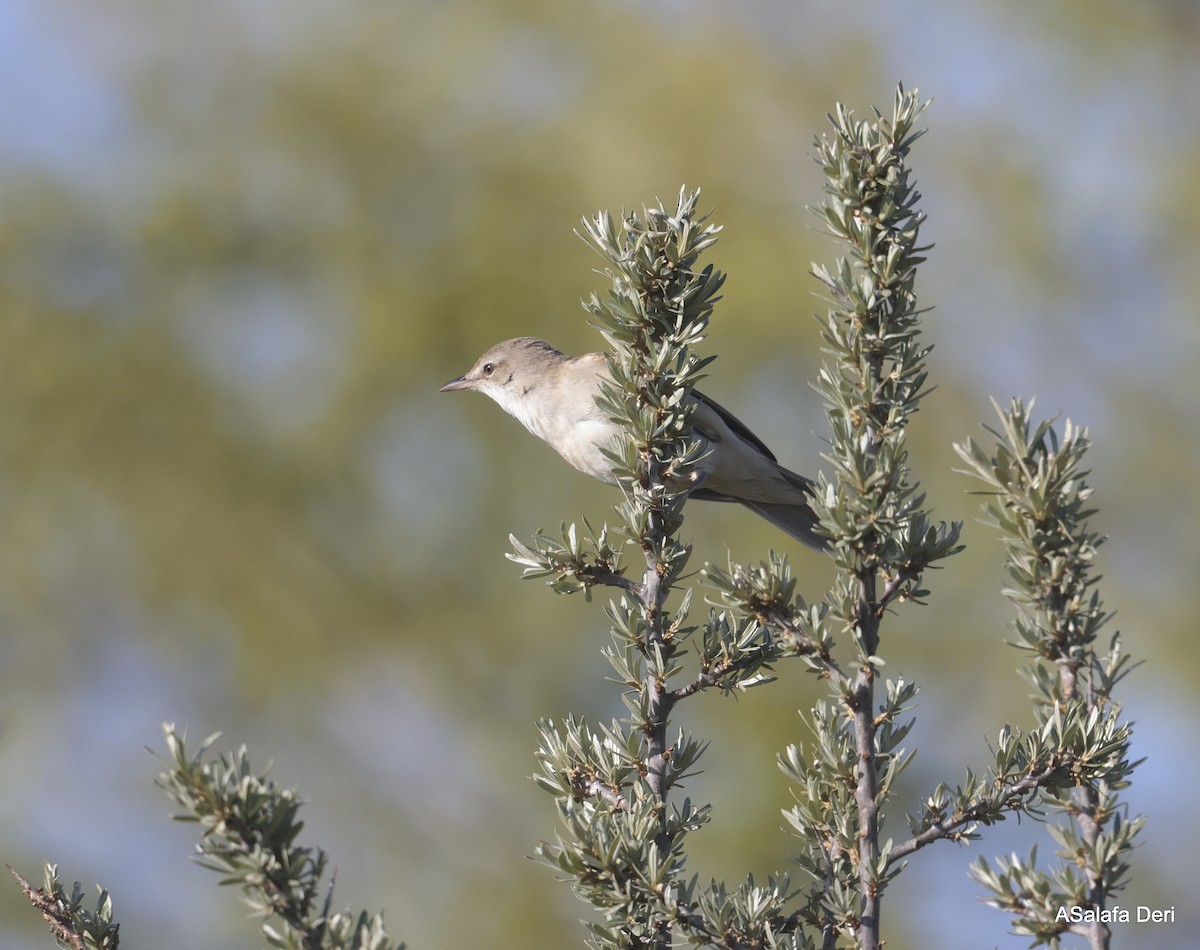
{"type": "Point", "coordinates": [509, 369]}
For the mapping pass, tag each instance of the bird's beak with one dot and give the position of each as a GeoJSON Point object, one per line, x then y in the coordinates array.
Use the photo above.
{"type": "Point", "coordinates": [456, 384]}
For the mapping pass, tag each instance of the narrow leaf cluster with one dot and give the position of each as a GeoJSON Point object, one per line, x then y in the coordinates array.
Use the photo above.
{"type": "Point", "coordinates": [657, 310]}
{"type": "Point", "coordinates": [875, 377]}
{"type": "Point", "coordinates": [249, 829]}
{"type": "Point", "coordinates": [72, 925]}
{"type": "Point", "coordinates": [871, 508]}
{"type": "Point", "coordinates": [1038, 499]}
{"type": "Point", "coordinates": [574, 563]}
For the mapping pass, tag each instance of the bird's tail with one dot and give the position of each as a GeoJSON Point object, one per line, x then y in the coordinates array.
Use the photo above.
{"type": "Point", "coordinates": [797, 519]}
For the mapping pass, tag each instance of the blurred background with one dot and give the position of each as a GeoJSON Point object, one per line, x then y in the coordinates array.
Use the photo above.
{"type": "Point", "coordinates": [244, 244]}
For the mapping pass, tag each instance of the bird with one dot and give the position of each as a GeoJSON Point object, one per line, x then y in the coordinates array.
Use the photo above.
{"type": "Point", "coordinates": [554, 396]}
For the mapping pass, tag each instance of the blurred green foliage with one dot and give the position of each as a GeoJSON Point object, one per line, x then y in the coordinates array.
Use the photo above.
{"type": "Point", "coordinates": [242, 245]}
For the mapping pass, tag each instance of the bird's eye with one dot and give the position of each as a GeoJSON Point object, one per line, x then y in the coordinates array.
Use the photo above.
{"type": "Point", "coordinates": [489, 368]}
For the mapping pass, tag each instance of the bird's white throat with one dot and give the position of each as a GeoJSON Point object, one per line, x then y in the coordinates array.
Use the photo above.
{"type": "Point", "coordinates": [522, 406]}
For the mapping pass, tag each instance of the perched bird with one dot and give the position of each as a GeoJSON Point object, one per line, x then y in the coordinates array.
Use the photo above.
{"type": "Point", "coordinates": [554, 397]}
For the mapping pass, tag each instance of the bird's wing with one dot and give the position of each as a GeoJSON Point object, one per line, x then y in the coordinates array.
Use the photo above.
{"type": "Point", "coordinates": [735, 424]}
{"type": "Point", "coordinates": [738, 428]}
{"type": "Point", "coordinates": [709, 494]}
